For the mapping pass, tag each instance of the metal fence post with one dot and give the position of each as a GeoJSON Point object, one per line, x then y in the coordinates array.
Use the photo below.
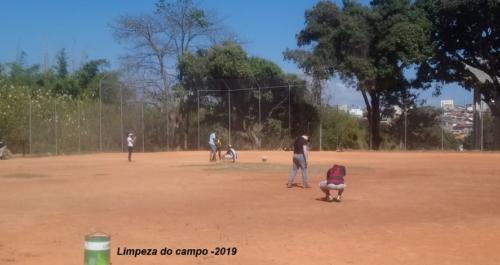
{"type": "Point", "coordinates": [30, 135]}
{"type": "Point", "coordinates": [121, 117]}
{"type": "Point", "coordinates": [168, 120]}
{"type": "Point", "coordinates": [481, 114]}
{"type": "Point", "coordinates": [100, 116]}
{"type": "Point", "coordinates": [79, 126]}
{"type": "Point", "coordinates": [406, 124]}
{"type": "Point", "coordinates": [260, 118]}
{"type": "Point", "coordinates": [320, 137]}
{"type": "Point", "coordinates": [55, 124]}
{"type": "Point", "coordinates": [442, 129]}
{"type": "Point", "coordinates": [142, 124]}
{"type": "Point", "coordinates": [289, 110]}
{"type": "Point", "coordinates": [229, 114]}
{"type": "Point", "coordinates": [198, 117]}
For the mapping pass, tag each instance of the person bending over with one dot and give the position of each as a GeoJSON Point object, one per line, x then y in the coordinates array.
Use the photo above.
{"type": "Point", "coordinates": [334, 181]}
{"type": "Point", "coordinates": [231, 154]}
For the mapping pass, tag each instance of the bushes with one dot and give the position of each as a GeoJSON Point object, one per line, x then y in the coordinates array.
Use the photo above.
{"type": "Point", "coordinates": [341, 130]}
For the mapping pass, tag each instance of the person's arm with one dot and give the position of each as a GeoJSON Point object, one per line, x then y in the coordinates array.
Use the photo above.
{"type": "Point", "coordinates": [306, 153]}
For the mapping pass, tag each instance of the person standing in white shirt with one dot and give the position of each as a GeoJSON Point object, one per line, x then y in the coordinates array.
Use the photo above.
{"type": "Point", "coordinates": [130, 144]}
{"type": "Point", "coordinates": [212, 146]}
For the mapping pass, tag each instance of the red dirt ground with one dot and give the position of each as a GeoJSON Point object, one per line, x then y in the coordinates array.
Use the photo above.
{"type": "Point", "coordinates": [399, 208]}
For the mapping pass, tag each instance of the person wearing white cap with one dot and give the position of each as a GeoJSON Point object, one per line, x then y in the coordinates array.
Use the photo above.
{"type": "Point", "coordinates": [300, 158]}
{"type": "Point", "coordinates": [130, 144]}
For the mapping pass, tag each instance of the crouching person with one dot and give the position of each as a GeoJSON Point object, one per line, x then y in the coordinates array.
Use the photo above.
{"type": "Point", "coordinates": [334, 181]}
{"type": "Point", "coordinates": [231, 154]}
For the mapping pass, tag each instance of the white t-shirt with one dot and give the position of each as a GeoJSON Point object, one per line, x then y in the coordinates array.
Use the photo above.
{"type": "Point", "coordinates": [234, 155]}
{"type": "Point", "coordinates": [211, 139]}
{"type": "Point", "coordinates": [130, 141]}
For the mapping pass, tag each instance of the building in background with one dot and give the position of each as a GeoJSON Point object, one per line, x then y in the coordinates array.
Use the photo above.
{"type": "Point", "coordinates": [356, 112]}
{"type": "Point", "coordinates": [447, 104]}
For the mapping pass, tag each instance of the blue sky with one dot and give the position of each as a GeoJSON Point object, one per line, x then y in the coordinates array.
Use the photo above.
{"type": "Point", "coordinates": [266, 28]}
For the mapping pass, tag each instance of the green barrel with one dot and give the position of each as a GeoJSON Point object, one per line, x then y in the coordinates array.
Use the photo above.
{"type": "Point", "coordinates": [97, 249]}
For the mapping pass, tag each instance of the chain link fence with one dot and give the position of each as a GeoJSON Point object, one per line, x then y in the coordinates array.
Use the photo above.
{"type": "Point", "coordinates": [244, 114]}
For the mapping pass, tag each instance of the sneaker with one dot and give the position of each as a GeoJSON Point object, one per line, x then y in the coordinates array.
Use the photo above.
{"type": "Point", "coordinates": [289, 185]}
{"type": "Point", "coordinates": [306, 186]}
{"type": "Point", "coordinates": [329, 198]}
{"type": "Point", "coordinates": [339, 198]}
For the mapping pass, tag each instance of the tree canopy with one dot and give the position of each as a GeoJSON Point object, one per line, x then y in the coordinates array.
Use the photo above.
{"type": "Point", "coordinates": [466, 38]}
{"type": "Point", "coordinates": [227, 67]}
{"type": "Point", "coordinates": [369, 47]}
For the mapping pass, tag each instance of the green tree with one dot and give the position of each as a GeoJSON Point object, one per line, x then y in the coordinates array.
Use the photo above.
{"type": "Point", "coordinates": [61, 66]}
{"type": "Point", "coordinates": [227, 68]}
{"type": "Point", "coordinates": [369, 47]}
{"type": "Point", "coordinates": [13, 129]}
{"type": "Point", "coordinates": [341, 130]}
{"type": "Point", "coordinates": [158, 41]}
{"type": "Point", "coordinates": [89, 71]}
{"type": "Point", "coordinates": [466, 50]}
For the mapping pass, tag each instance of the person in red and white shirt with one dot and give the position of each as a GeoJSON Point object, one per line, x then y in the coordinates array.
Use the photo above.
{"type": "Point", "coordinates": [334, 181]}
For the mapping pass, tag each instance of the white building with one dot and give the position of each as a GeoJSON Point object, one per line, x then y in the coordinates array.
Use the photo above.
{"type": "Point", "coordinates": [447, 104]}
{"type": "Point", "coordinates": [344, 108]}
{"type": "Point", "coordinates": [356, 112]}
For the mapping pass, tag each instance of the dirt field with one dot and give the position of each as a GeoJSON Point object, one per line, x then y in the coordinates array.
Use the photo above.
{"type": "Point", "coordinates": [399, 208]}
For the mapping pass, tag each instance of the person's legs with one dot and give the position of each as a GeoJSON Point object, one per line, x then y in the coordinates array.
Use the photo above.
{"type": "Point", "coordinates": [301, 163]}
{"type": "Point", "coordinates": [129, 153]}
{"type": "Point", "coordinates": [293, 173]}
{"type": "Point", "coordinates": [323, 186]}
{"type": "Point", "coordinates": [340, 188]}
{"type": "Point", "coordinates": [305, 178]}
{"type": "Point", "coordinates": [339, 194]}
{"type": "Point", "coordinates": [212, 152]}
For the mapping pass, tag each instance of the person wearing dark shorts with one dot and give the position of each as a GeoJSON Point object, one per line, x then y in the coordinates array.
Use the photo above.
{"type": "Point", "coordinates": [299, 159]}
{"type": "Point", "coordinates": [218, 146]}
